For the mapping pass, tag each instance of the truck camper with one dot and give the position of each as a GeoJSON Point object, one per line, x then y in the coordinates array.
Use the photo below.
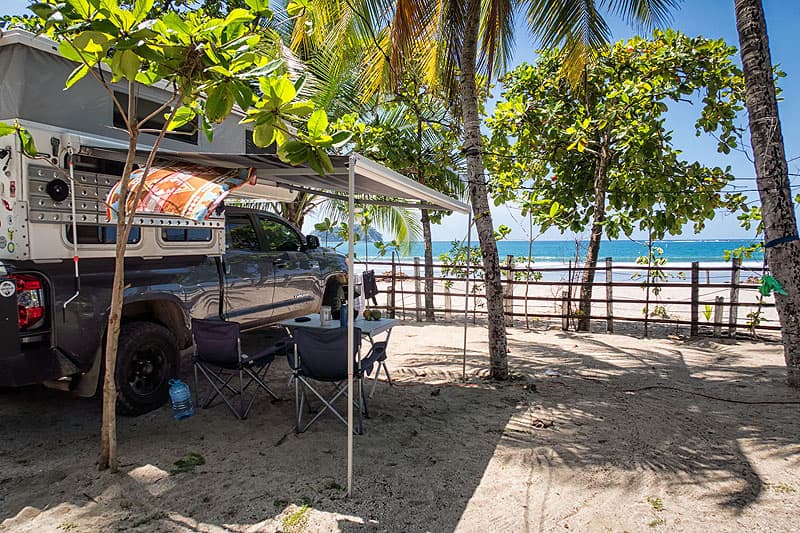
{"type": "Point", "coordinates": [57, 243]}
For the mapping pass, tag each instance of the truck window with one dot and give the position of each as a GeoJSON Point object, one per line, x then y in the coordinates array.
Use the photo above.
{"type": "Point", "coordinates": [186, 234]}
{"type": "Point", "coordinates": [88, 234]}
{"type": "Point", "coordinates": [240, 234]}
{"type": "Point", "coordinates": [279, 236]}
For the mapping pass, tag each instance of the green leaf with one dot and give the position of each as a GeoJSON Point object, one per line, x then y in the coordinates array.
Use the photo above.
{"type": "Point", "coordinates": [238, 16]}
{"type": "Point", "coordinates": [207, 128]}
{"type": "Point", "coordinates": [317, 123]}
{"type": "Point", "coordinates": [183, 116]}
{"type": "Point", "coordinates": [76, 75]}
{"type": "Point", "coordinates": [28, 145]}
{"type": "Point", "coordinates": [140, 10]}
{"type": "Point", "coordinates": [259, 7]}
{"type": "Point", "coordinates": [219, 103]}
{"type": "Point", "coordinates": [554, 207]}
{"type": "Point", "coordinates": [299, 82]}
{"type": "Point", "coordinates": [263, 135]}
{"type": "Point", "coordinates": [243, 95]}
{"type": "Point", "coordinates": [283, 90]}
{"type": "Point", "coordinates": [341, 137]}
{"type": "Point", "coordinates": [82, 7]}
{"type": "Point", "coordinates": [264, 70]}
{"type": "Point", "coordinates": [129, 64]}
{"type": "Point", "coordinates": [6, 129]}
{"type": "Point", "coordinates": [299, 109]}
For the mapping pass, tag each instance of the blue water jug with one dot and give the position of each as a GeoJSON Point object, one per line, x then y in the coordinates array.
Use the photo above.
{"type": "Point", "coordinates": [181, 399]}
{"type": "Point", "coordinates": [343, 316]}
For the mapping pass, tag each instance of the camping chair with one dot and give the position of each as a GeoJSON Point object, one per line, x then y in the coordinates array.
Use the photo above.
{"type": "Point", "coordinates": [376, 357]}
{"type": "Point", "coordinates": [218, 356]}
{"type": "Point", "coordinates": [321, 356]}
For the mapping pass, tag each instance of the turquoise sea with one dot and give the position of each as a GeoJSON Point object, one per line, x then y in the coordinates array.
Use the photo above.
{"type": "Point", "coordinates": [623, 251]}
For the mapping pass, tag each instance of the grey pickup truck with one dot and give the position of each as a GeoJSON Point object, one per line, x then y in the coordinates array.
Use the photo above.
{"type": "Point", "coordinates": [268, 272]}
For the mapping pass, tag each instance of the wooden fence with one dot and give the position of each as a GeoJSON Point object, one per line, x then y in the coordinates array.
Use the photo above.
{"type": "Point", "coordinates": [717, 299]}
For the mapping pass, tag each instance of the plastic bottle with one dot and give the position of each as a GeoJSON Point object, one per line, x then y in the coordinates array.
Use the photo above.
{"type": "Point", "coordinates": [343, 316]}
{"type": "Point", "coordinates": [181, 399]}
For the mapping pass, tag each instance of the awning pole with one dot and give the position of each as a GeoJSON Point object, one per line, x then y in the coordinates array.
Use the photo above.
{"type": "Point", "coordinates": [466, 296]}
{"type": "Point", "coordinates": [351, 189]}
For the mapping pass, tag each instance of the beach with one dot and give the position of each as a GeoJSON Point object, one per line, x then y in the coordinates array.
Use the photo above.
{"type": "Point", "coordinates": [594, 432]}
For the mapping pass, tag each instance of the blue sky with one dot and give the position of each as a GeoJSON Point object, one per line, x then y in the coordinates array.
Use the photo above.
{"type": "Point", "coordinates": [712, 19]}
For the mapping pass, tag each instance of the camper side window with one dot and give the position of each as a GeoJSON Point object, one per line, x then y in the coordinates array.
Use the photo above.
{"type": "Point", "coordinates": [101, 234]}
{"type": "Point", "coordinates": [186, 234]}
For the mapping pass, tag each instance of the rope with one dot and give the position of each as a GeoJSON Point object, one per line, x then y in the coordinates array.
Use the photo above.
{"type": "Point", "coordinates": [711, 397]}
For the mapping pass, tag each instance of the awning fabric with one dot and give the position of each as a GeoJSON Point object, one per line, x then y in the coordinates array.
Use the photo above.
{"type": "Point", "coordinates": [374, 183]}
{"type": "Point", "coordinates": [188, 191]}
{"type": "Point", "coordinates": [371, 178]}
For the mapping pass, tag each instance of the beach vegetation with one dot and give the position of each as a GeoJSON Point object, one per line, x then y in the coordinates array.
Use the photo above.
{"type": "Point", "coordinates": [600, 155]}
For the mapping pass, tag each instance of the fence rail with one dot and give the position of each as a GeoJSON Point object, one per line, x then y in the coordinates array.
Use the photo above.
{"type": "Point", "coordinates": [671, 295]}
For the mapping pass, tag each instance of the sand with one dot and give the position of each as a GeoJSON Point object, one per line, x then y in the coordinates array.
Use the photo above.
{"type": "Point", "coordinates": [626, 437]}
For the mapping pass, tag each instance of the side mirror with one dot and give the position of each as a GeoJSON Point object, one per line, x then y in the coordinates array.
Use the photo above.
{"type": "Point", "coordinates": [312, 242]}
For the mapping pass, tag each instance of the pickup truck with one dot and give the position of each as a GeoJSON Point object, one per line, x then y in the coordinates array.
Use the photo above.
{"type": "Point", "coordinates": [268, 272]}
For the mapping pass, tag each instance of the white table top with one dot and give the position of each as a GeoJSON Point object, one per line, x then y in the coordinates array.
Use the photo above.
{"type": "Point", "coordinates": [368, 327]}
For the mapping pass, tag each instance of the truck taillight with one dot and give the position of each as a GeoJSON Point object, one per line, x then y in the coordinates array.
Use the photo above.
{"type": "Point", "coordinates": [30, 301]}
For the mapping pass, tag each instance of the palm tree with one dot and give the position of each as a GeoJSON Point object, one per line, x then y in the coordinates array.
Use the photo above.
{"type": "Point", "coordinates": [460, 40]}
{"type": "Point", "coordinates": [772, 175]}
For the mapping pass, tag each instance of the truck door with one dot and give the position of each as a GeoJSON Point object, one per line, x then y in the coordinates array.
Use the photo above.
{"type": "Point", "coordinates": [250, 279]}
{"type": "Point", "coordinates": [294, 282]}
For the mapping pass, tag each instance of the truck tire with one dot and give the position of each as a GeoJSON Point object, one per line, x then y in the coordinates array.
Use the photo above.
{"type": "Point", "coordinates": [147, 358]}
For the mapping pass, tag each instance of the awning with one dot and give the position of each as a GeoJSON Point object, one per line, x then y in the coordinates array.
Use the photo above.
{"type": "Point", "coordinates": [374, 183]}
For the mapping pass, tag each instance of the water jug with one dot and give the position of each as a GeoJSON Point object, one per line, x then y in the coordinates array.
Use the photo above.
{"type": "Point", "coordinates": [181, 399]}
{"type": "Point", "coordinates": [343, 316]}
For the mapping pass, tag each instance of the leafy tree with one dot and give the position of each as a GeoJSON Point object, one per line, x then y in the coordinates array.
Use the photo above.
{"type": "Point", "coordinates": [208, 64]}
{"type": "Point", "coordinates": [772, 175]}
{"type": "Point", "coordinates": [600, 155]}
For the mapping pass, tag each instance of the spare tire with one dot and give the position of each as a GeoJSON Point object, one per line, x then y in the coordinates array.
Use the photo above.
{"type": "Point", "coordinates": [147, 358]}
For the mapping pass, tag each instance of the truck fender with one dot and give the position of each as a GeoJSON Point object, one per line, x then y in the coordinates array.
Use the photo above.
{"type": "Point", "coordinates": [167, 308]}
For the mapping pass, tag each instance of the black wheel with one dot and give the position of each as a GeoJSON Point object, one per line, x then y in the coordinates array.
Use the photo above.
{"type": "Point", "coordinates": [147, 358]}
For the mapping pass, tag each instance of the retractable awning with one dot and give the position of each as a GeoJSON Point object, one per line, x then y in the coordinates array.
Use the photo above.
{"type": "Point", "coordinates": [374, 183]}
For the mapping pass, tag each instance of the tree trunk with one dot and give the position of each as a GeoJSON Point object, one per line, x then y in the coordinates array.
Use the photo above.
{"type": "Point", "coordinates": [772, 178]}
{"type": "Point", "coordinates": [430, 316]}
{"type": "Point", "coordinates": [598, 217]}
{"type": "Point", "coordinates": [108, 429]}
{"type": "Point", "coordinates": [479, 196]}
{"type": "Point", "coordinates": [293, 211]}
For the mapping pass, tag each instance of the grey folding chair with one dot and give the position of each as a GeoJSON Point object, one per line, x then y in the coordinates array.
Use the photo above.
{"type": "Point", "coordinates": [321, 357]}
{"type": "Point", "coordinates": [219, 358]}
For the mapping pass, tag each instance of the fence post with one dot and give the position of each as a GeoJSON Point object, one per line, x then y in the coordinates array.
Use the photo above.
{"type": "Point", "coordinates": [448, 302]}
{"type": "Point", "coordinates": [508, 292]}
{"type": "Point", "coordinates": [390, 295]}
{"type": "Point", "coordinates": [417, 290]}
{"type": "Point", "coordinates": [609, 296]}
{"type": "Point", "coordinates": [565, 310]}
{"type": "Point", "coordinates": [719, 303]}
{"type": "Point", "coordinates": [695, 312]}
{"type": "Point", "coordinates": [736, 267]}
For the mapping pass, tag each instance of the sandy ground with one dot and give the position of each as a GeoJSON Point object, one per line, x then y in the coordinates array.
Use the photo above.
{"type": "Point", "coordinates": [603, 446]}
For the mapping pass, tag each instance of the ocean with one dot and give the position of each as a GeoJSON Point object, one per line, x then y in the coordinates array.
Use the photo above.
{"type": "Point", "coordinates": [561, 252]}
